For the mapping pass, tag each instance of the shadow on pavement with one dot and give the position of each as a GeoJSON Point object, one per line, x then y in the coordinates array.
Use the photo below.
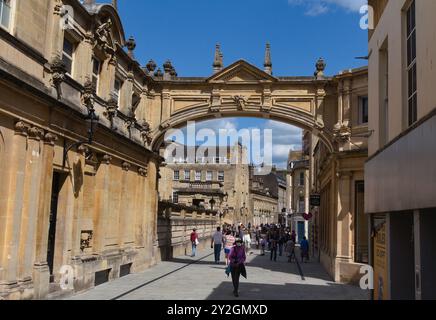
{"type": "Point", "coordinates": [287, 291]}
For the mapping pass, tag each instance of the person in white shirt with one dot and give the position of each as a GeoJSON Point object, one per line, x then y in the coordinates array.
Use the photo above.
{"type": "Point", "coordinates": [217, 243]}
{"type": "Point", "coordinates": [247, 240]}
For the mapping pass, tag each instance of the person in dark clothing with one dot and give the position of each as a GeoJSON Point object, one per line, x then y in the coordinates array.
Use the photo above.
{"type": "Point", "coordinates": [237, 260]}
{"type": "Point", "coordinates": [274, 241]}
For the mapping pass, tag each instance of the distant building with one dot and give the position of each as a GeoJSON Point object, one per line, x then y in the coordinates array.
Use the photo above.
{"type": "Point", "coordinates": [214, 179]}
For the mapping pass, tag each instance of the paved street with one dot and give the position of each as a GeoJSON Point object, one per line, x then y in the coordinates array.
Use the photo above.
{"type": "Point", "coordinates": [186, 278]}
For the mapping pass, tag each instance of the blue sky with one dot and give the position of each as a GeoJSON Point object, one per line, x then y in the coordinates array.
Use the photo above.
{"type": "Point", "coordinates": [300, 31]}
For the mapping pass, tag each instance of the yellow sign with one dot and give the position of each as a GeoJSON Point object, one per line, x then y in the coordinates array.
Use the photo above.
{"type": "Point", "coordinates": [380, 264]}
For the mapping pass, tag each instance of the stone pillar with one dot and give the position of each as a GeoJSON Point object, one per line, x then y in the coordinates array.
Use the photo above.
{"type": "Point", "coordinates": [344, 234]}
{"type": "Point", "coordinates": [126, 104]}
{"type": "Point", "coordinates": [101, 202]}
{"type": "Point", "coordinates": [166, 105]}
{"type": "Point", "coordinates": [123, 216]}
{"type": "Point", "coordinates": [141, 209]}
{"type": "Point", "coordinates": [78, 173]}
{"type": "Point", "coordinates": [41, 272]}
{"type": "Point", "coordinates": [31, 195]}
{"type": "Point", "coordinates": [15, 181]}
{"type": "Point", "coordinates": [340, 103]}
{"type": "Point", "coordinates": [347, 98]}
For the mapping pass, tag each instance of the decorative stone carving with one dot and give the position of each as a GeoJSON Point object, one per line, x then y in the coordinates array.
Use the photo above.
{"type": "Point", "coordinates": [103, 37]}
{"type": "Point", "coordinates": [342, 131]}
{"type": "Point", "coordinates": [131, 45]}
{"type": "Point", "coordinates": [35, 133]}
{"type": "Point", "coordinates": [320, 67]}
{"type": "Point", "coordinates": [240, 101]}
{"type": "Point", "coordinates": [50, 138]}
{"type": "Point", "coordinates": [158, 73]}
{"type": "Point", "coordinates": [126, 166]}
{"type": "Point", "coordinates": [146, 132]}
{"type": "Point", "coordinates": [143, 172]}
{"type": "Point", "coordinates": [111, 108]}
{"type": "Point", "coordinates": [151, 66]}
{"type": "Point", "coordinates": [88, 94]}
{"type": "Point", "coordinates": [58, 70]}
{"type": "Point", "coordinates": [22, 128]}
{"type": "Point", "coordinates": [106, 159]}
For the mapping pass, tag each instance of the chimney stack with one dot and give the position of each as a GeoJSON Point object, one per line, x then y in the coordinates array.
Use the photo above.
{"type": "Point", "coordinates": [218, 61]}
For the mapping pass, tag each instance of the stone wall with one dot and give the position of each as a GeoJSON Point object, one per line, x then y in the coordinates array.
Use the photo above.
{"type": "Point", "coordinates": [175, 224]}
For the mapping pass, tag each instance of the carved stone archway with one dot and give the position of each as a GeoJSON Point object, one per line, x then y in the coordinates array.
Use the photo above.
{"type": "Point", "coordinates": [243, 90]}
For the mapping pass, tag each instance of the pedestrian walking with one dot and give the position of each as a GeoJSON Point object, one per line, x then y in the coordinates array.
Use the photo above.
{"type": "Point", "coordinates": [194, 242]}
{"type": "Point", "coordinates": [247, 240]}
{"type": "Point", "coordinates": [294, 236]}
{"type": "Point", "coordinates": [217, 244]}
{"type": "Point", "coordinates": [229, 241]}
{"type": "Point", "coordinates": [263, 243]}
{"type": "Point", "coordinates": [274, 245]}
{"type": "Point", "coordinates": [304, 247]}
{"type": "Point", "coordinates": [237, 264]}
{"type": "Point", "coordinates": [281, 243]}
{"type": "Point", "coordinates": [290, 250]}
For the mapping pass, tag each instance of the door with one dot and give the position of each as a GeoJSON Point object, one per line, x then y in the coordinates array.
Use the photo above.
{"type": "Point", "coordinates": [300, 231]}
{"type": "Point", "coordinates": [56, 187]}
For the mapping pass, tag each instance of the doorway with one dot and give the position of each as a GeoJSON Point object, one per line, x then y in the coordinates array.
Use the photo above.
{"type": "Point", "coordinates": [57, 183]}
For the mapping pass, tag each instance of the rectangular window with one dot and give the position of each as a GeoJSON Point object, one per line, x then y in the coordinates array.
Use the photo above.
{"type": "Point", "coordinates": [175, 197]}
{"type": "Point", "coordinates": [176, 175]}
{"type": "Point", "coordinates": [5, 13]}
{"type": "Point", "coordinates": [96, 68]}
{"type": "Point", "coordinates": [117, 90]}
{"type": "Point", "coordinates": [363, 110]}
{"type": "Point", "coordinates": [187, 175]}
{"type": "Point", "coordinates": [221, 176]}
{"type": "Point", "coordinates": [67, 55]}
{"type": "Point", "coordinates": [411, 65]}
{"type": "Point", "coordinates": [217, 160]}
{"type": "Point", "coordinates": [209, 176]}
{"type": "Point", "coordinates": [361, 225]}
{"type": "Point", "coordinates": [197, 175]}
{"type": "Point", "coordinates": [302, 205]}
{"type": "Point", "coordinates": [301, 178]}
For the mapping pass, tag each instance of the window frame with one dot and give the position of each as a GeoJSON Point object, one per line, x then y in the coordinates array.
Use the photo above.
{"type": "Point", "coordinates": [67, 55]}
{"type": "Point", "coordinates": [221, 176]}
{"type": "Point", "coordinates": [197, 175]}
{"type": "Point", "coordinates": [96, 75]}
{"type": "Point", "coordinates": [176, 175]}
{"type": "Point", "coordinates": [411, 64]}
{"type": "Point", "coordinates": [175, 197]}
{"type": "Point", "coordinates": [187, 175]}
{"type": "Point", "coordinates": [11, 8]}
{"type": "Point", "coordinates": [117, 93]}
{"type": "Point", "coordinates": [361, 109]}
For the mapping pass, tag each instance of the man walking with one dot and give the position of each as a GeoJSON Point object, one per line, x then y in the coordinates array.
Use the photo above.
{"type": "Point", "coordinates": [194, 241]}
{"type": "Point", "coordinates": [216, 244]}
{"type": "Point", "coordinates": [304, 247]}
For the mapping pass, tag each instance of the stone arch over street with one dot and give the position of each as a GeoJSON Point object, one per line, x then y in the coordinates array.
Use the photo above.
{"type": "Point", "coordinates": [243, 90]}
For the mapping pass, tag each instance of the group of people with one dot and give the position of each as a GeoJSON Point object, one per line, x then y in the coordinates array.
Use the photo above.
{"type": "Point", "coordinates": [278, 239]}
{"type": "Point", "coordinates": [236, 243]}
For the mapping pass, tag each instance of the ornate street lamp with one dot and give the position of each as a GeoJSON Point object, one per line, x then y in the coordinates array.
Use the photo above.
{"type": "Point", "coordinates": [92, 122]}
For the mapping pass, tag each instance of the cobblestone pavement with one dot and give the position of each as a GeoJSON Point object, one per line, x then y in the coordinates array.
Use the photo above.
{"type": "Point", "coordinates": [186, 278]}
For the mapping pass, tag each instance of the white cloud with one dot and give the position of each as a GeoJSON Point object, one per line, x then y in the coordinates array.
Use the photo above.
{"type": "Point", "coordinates": [318, 7]}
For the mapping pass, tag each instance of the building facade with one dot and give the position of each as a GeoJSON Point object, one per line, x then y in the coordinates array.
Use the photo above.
{"type": "Point", "coordinates": [339, 224]}
{"type": "Point", "coordinates": [78, 197]}
{"type": "Point", "coordinates": [299, 192]}
{"type": "Point", "coordinates": [264, 197]}
{"type": "Point", "coordinates": [400, 171]}
{"type": "Point", "coordinates": [210, 178]}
